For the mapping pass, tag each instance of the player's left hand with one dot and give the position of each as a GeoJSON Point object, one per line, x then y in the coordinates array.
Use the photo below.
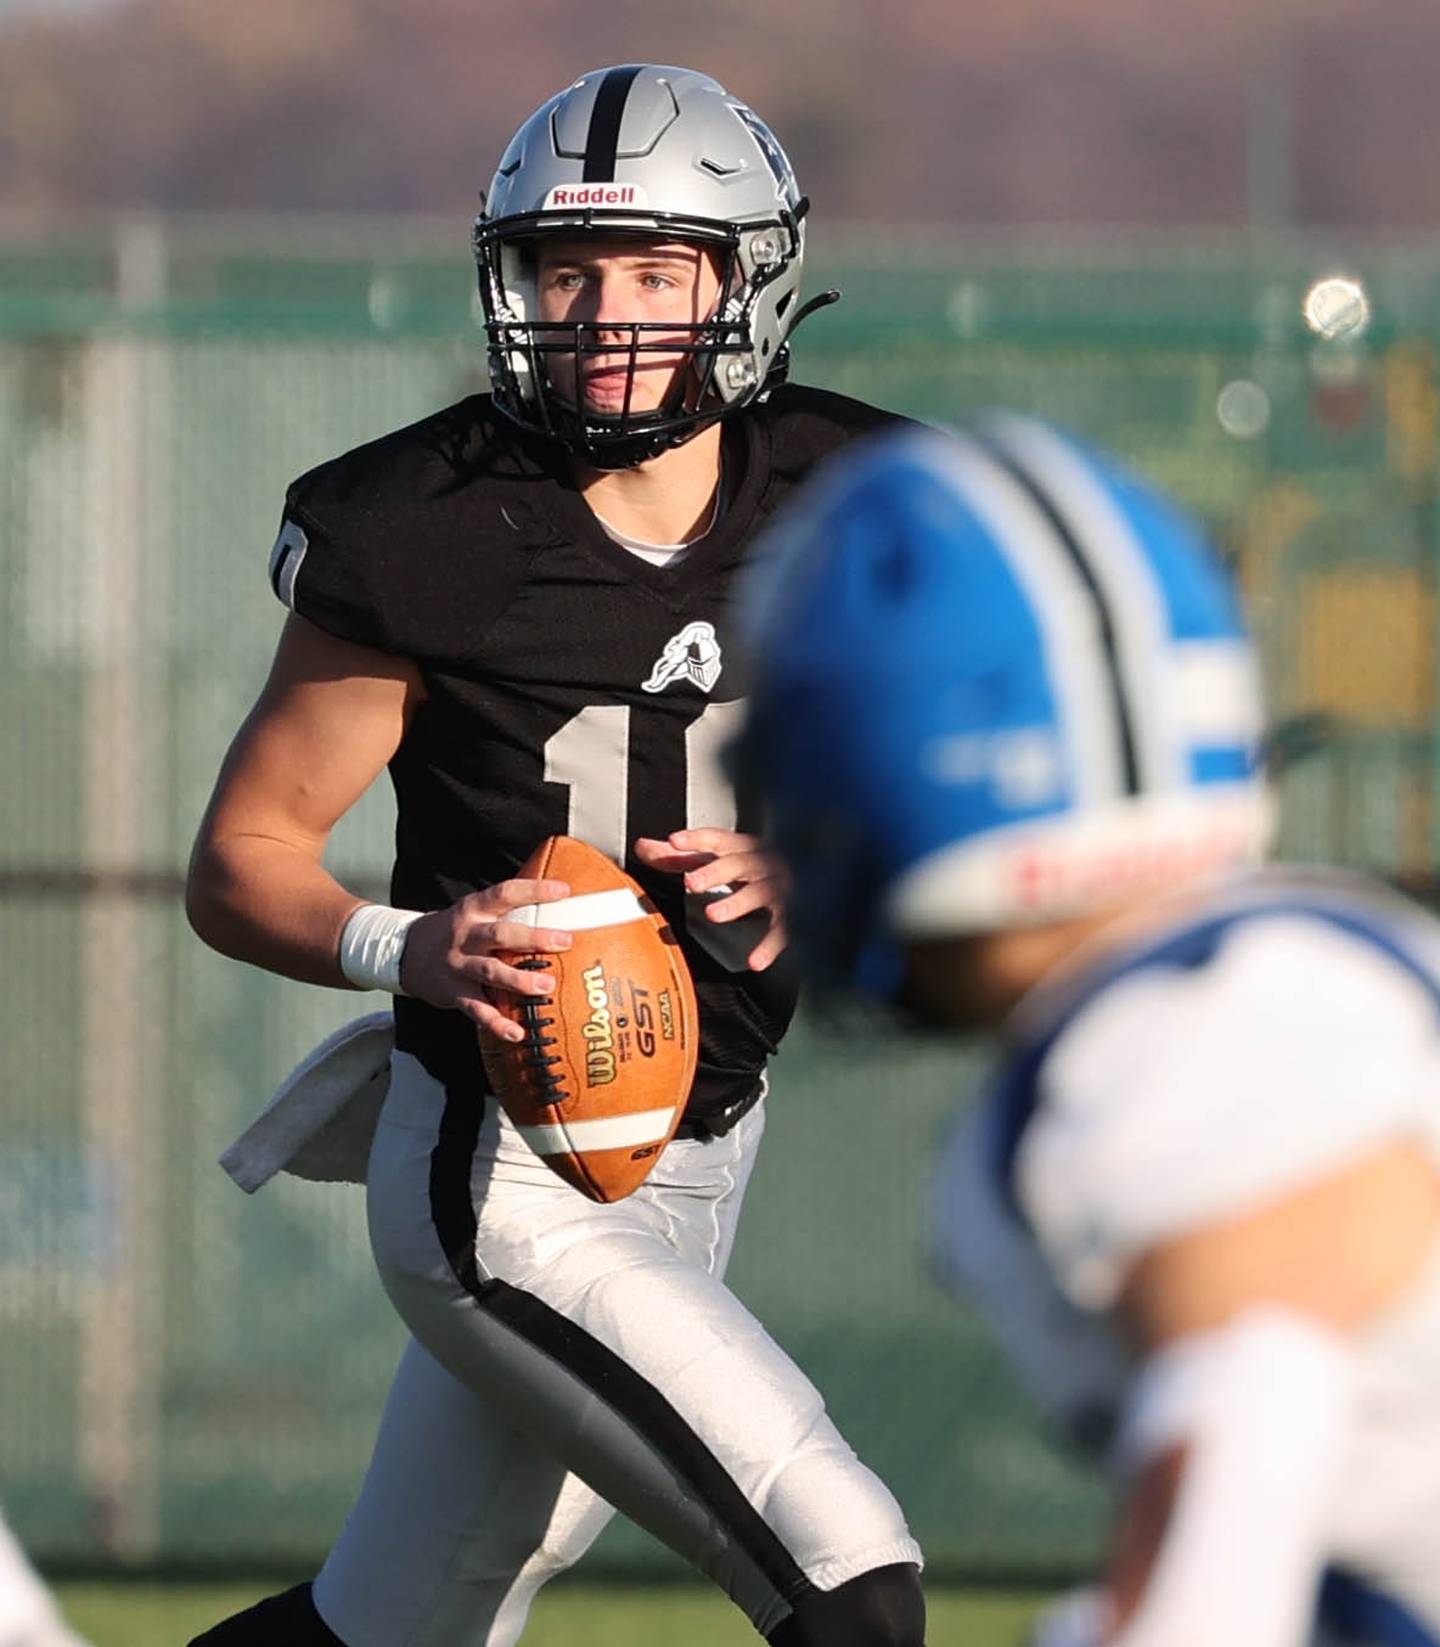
{"type": "Point", "coordinates": [748, 877]}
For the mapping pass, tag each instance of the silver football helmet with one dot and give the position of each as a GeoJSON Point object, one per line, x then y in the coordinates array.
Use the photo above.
{"type": "Point", "coordinates": [650, 151]}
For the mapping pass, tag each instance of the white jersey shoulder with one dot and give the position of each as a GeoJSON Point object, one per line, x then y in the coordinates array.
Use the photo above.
{"type": "Point", "coordinates": [1183, 1093]}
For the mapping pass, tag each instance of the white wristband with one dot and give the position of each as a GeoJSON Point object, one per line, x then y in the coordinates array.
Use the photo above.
{"type": "Point", "coordinates": [372, 945]}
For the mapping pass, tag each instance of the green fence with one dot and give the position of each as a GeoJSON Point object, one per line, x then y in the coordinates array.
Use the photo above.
{"type": "Point", "coordinates": [194, 1376]}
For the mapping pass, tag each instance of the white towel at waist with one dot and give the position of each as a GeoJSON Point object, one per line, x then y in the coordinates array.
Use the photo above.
{"type": "Point", "coordinates": [320, 1123]}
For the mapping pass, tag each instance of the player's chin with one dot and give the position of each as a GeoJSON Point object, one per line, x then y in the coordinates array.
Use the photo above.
{"type": "Point", "coordinates": [606, 404]}
{"type": "Point", "coordinates": [613, 393]}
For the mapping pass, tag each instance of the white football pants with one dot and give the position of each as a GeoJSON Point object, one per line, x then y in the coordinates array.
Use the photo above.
{"type": "Point", "coordinates": [28, 1614]}
{"type": "Point", "coordinates": [571, 1357]}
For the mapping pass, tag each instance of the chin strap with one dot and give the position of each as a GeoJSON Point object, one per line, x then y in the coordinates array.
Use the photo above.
{"type": "Point", "coordinates": [780, 369]}
{"type": "Point", "coordinates": [822, 300]}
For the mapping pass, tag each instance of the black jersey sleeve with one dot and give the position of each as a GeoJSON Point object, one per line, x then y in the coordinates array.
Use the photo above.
{"type": "Point", "coordinates": [374, 545]}
{"type": "Point", "coordinates": [326, 580]}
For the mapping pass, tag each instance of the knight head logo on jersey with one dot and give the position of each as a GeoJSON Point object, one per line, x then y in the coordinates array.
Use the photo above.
{"type": "Point", "coordinates": [693, 654]}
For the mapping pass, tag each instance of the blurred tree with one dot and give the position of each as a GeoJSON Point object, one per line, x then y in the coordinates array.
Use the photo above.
{"type": "Point", "coordinates": [1115, 111]}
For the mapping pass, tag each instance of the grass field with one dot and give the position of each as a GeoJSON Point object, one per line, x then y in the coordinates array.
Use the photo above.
{"type": "Point", "coordinates": [572, 1615]}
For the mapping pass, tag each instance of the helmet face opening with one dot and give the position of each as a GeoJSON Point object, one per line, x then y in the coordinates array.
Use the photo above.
{"type": "Point", "coordinates": [531, 358]}
{"type": "Point", "coordinates": [654, 154]}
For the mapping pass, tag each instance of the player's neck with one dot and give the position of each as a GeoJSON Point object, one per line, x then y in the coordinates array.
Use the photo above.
{"type": "Point", "coordinates": [670, 499]}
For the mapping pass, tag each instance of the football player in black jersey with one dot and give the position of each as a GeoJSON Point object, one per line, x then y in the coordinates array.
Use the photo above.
{"type": "Point", "coordinates": [522, 607]}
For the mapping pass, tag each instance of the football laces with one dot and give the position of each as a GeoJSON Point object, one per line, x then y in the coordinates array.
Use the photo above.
{"type": "Point", "coordinates": [536, 1041]}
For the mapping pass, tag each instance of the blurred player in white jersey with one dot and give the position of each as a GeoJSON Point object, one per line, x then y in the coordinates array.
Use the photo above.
{"type": "Point", "coordinates": [28, 1614]}
{"type": "Point", "coordinates": [1200, 1197]}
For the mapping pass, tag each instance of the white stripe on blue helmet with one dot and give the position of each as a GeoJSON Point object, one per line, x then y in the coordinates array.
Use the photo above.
{"type": "Point", "coordinates": [998, 679]}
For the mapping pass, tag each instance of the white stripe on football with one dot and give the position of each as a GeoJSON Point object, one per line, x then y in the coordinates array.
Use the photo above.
{"type": "Point", "coordinates": [647, 1126]}
{"type": "Point", "coordinates": [584, 913]}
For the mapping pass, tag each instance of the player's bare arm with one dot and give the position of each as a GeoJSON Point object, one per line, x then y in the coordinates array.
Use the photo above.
{"type": "Point", "coordinates": [1335, 1256]}
{"type": "Point", "coordinates": [711, 858]}
{"type": "Point", "coordinates": [329, 718]}
{"type": "Point", "coordinates": [1342, 1248]}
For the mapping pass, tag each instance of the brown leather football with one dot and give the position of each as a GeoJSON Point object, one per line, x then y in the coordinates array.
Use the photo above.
{"type": "Point", "coordinates": [599, 1083]}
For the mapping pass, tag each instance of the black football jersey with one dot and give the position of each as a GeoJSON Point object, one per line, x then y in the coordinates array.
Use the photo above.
{"type": "Point", "coordinates": [572, 687]}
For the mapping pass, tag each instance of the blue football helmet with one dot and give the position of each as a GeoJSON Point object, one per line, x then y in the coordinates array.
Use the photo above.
{"type": "Point", "coordinates": [997, 680]}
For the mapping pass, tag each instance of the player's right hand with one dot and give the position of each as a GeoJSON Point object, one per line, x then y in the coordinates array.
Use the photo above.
{"type": "Point", "coordinates": [452, 956]}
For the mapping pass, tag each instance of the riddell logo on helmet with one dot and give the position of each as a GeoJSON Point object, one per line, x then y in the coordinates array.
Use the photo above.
{"type": "Point", "coordinates": [595, 194]}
